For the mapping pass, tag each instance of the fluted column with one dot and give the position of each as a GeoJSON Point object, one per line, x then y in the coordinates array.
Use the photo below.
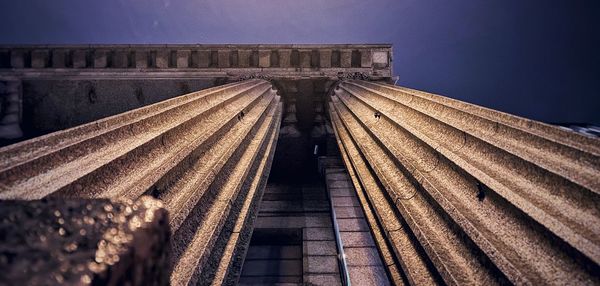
{"type": "Point", "coordinates": [471, 195]}
{"type": "Point", "coordinates": [205, 155]}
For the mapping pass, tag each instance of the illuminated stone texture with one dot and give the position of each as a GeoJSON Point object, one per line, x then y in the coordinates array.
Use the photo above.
{"type": "Point", "coordinates": [84, 242]}
{"type": "Point", "coordinates": [469, 195]}
{"type": "Point", "coordinates": [205, 155]}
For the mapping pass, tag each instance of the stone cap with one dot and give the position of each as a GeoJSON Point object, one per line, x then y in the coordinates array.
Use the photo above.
{"type": "Point", "coordinates": [285, 60]}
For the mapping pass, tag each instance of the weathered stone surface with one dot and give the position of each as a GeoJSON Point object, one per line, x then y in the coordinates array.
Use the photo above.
{"type": "Point", "coordinates": [100, 58]}
{"type": "Point", "coordinates": [322, 264]}
{"type": "Point", "coordinates": [285, 58]}
{"type": "Point", "coordinates": [325, 58]}
{"type": "Point", "coordinates": [322, 280]}
{"type": "Point", "coordinates": [305, 58]}
{"type": "Point", "coordinates": [320, 248]}
{"type": "Point", "coordinates": [366, 58]}
{"type": "Point", "coordinates": [210, 155]}
{"type": "Point", "coordinates": [368, 275]}
{"type": "Point", "coordinates": [475, 186]}
{"type": "Point", "coordinates": [244, 58]}
{"type": "Point", "coordinates": [223, 58]}
{"type": "Point", "coordinates": [17, 58]}
{"type": "Point", "coordinates": [183, 58]}
{"type": "Point", "coordinates": [203, 59]}
{"type": "Point", "coordinates": [345, 58]}
{"type": "Point", "coordinates": [80, 242]}
{"type": "Point", "coordinates": [162, 59]}
{"type": "Point", "coordinates": [59, 58]}
{"type": "Point", "coordinates": [79, 58]}
{"type": "Point", "coordinates": [121, 59]}
{"type": "Point", "coordinates": [313, 233]}
{"type": "Point", "coordinates": [264, 58]}
{"type": "Point", "coordinates": [39, 58]}
{"type": "Point", "coordinates": [141, 59]}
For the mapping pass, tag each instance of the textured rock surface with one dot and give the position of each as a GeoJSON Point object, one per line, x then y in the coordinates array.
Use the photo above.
{"type": "Point", "coordinates": [469, 195]}
{"type": "Point", "coordinates": [84, 242]}
{"type": "Point", "coordinates": [205, 155]}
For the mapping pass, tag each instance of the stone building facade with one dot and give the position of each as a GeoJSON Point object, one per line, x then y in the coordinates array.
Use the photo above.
{"type": "Point", "coordinates": [294, 164]}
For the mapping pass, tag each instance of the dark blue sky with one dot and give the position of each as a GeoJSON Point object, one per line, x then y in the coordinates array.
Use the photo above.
{"type": "Point", "coordinates": [534, 58]}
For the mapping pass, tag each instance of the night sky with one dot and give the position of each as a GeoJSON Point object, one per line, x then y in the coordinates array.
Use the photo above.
{"type": "Point", "coordinates": [534, 58]}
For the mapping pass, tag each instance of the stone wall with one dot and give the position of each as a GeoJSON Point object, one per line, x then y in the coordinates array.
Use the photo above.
{"type": "Point", "coordinates": [64, 86]}
{"type": "Point", "coordinates": [375, 59]}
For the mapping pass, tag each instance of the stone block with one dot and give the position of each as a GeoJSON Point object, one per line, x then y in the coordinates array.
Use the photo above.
{"type": "Point", "coordinates": [203, 59]}
{"type": "Point", "coordinates": [345, 202]}
{"type": "Point", "coordinates": [345, 58]}
{"type": "Point", "coordinates": [323, 247]}
{"type": "Point", "coordinates": [322, 280]}
{"type": "Point", "coordinates": [279, 222]}
{"type": "Point", "coordinates": [316, 233]}
{"type": "Point", "coordinates": [366, 58]}
{"type": "Point", "coordinates": [244, 58]}
{"type": "Point", "coordinates": [380, 59]}
{"type": "Point", "coordinates": [321, 264]}
{"type": "Point", "coordinates": [17, 59]}
{"type": "Point", "coordinates": [324, 58]}
{"type": "Point", "coordinates": [352, 224]}
{"type": "Point", "coordinates": [79, 58]}
{"type": "Point", "coordinates": [141, 59]}
{"type": "Point", "coordinates": [75, 241]}
{"type": "Point", "coordinates": [357, 239]}
{"type": "Point", "coordinates": [362, 256]}
{"type": "Point", "coordinates": [120, 59]}
{"type": "Point", "coordinates": [272, 267]}
{"type": "Point", "coordinates": [368, 275]}
{"type": "Point", "coordinates": [285, 58]}
{"type": "Point", "coordinates": [223, 58]}
{"type": "Point", "coordinates": [59, 58]}
{"type": "Point", "coordinates": [340, 184]}
{"type": "Point", "coordinates": [305, 58]}
{"type": "Point", "coordinates": [346, 192]}
{"type": "Point", "coordinates": [349, 212]}
{"type": "Point", "coordinates": [264, 58]}
{"type": "Point", "coordinates": [318, 221]}
{"type": "Point", "coordinates": [316, 205]}
{"type": "Point", "coordinates": [183, 58]}
{"type": "Point", "coordinates": [100, 60]}
{"type": "Point", "coordinates": [274, 252]}
{"type": "Point", "coordinates": [39, 58]}
{"type": "Point", "coordinates": [162, 59]}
